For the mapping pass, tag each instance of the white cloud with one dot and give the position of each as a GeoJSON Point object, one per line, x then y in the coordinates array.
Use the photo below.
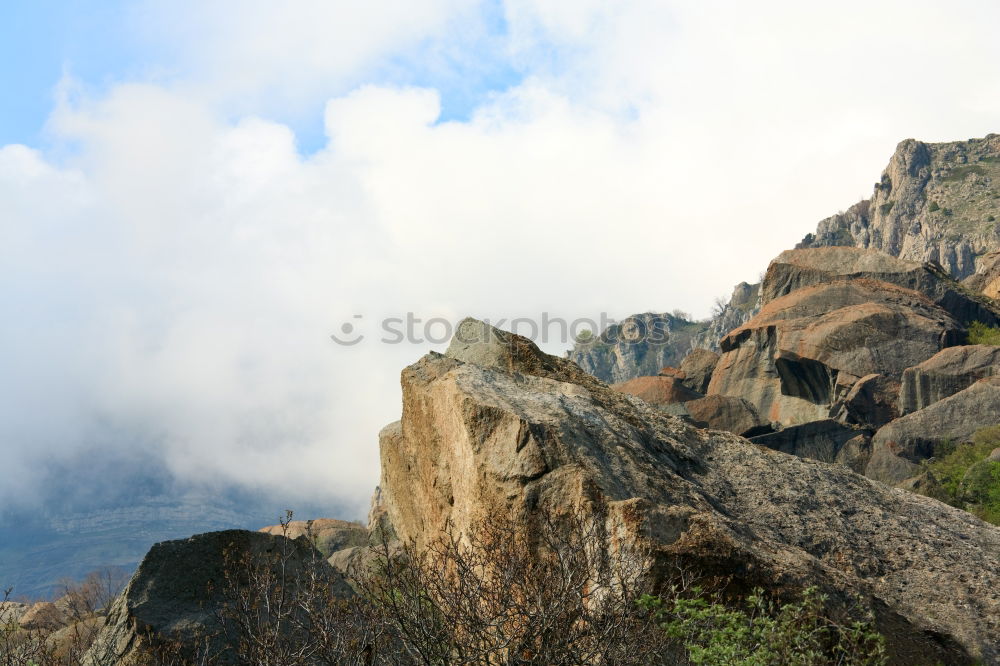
{"type": "Point", "coordinates": [178, 274]}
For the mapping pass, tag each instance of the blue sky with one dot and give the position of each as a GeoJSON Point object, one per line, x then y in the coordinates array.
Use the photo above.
{"type": "Point", "coordinates": [42, 39]}
{"type": "Point", "coordinates": [221, 185]}
{"type": "Point", "coordinates": [101, 43]}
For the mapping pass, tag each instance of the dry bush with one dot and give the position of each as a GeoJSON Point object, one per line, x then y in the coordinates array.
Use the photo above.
{"type": "Point", "coordinates": [562, 595]}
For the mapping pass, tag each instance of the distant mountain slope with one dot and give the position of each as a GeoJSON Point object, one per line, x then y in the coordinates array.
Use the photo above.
{"type": "Point", "coordinates": [935, 202]}
{"type": "Point", "coordinates": [72, 529]}
{"type": "Point", "coordinates": [640, 345]}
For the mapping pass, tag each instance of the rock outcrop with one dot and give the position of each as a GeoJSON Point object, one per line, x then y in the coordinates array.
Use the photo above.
{"type": "Point", "coordinates": [42, 615]}
{"type": "Point", "coordinates": [804, 351]}
{"type": "Point", "coordinates": [498, 426]}
{"type": "Point", "coordinates": [328, 535]}
{"type": "Point", "coordinates": [935, 202]}
{"type": "Point", "coordinates": [795, 269]}
{"type": "Point", "coordinates": [946, 373]}
{"type": "Point", "coordinates": [743, 304]}
{"type": "Point", "coordinates": [180, 587]}
{"type": "Point", "coordinates": [898, 447]}
{"type": "Point", "coordinates": [987, 280]}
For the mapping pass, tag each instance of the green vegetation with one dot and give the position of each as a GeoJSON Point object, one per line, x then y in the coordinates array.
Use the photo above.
{"type": "Point", "coordinates": [959, 173]}
{"type": "Point", "coordinates": [966, 479]}
{"type": "Point", "coordinates": [886, 207]}
{"type": "Point", "coordinates": [981, 334]}
{"type": "Point", "coordinates": [759, 632]}
{"type": "Point", "coordinates": [933, 207]}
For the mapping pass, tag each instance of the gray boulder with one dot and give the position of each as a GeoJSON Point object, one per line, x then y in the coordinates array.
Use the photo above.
{"type": "Point", "coordinates": [697, 367]}
{"type": "Point", "coordinates": [946, 373]}
{"type": "Point", "coordinates": [179, 589]}
{"type": "Point", "coordinates": [819, 440]}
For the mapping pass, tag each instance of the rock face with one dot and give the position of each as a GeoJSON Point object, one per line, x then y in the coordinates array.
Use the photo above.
{"type": "Point", "coordinates": [946, 373]}
{"type": "Point", "coordinates": [637, 347]}
{"type": "Point", "coordinates": [743, 304]}
{"type": "Point", "coordinates": [795, 269]}
{"type": "Point", "coordinates": [501, 427]}
{"type": "Point", "coordinates": [698, 367]}
{"type": "Point", "coordinates": [657, 390]}
{"type": "Point", "coordinates": [328, 535]}
{"type": "Point", "coordinates": [934, 202]}
{"type": "Point", "coordinates": [900, 445]}
{"type": "Point", "coordinates": [805, 350]}
{"type": "Point", "coordinates": [177, 591]}
{"type": "Point", "coordinates": [987, 280]}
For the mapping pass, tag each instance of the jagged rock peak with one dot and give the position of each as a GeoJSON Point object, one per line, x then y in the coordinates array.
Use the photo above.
{"type": "Point", "coordinates": [935, 202]}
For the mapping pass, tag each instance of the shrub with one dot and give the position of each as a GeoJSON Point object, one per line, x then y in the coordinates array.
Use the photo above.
{"type": "Point", "coordinates": [759, 632]}
{"type": "Point", "coordinates": [966, 478]}
{"type": "Point", "coordinates": [981, 334]}
{"type": "Point", "coordinates": [886, 207]}
{"type": "Point", "coordinates": [933, 207]}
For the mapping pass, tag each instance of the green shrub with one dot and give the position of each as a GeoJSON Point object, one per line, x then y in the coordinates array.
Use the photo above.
{"type": "Point", "coordinates": [760, 632]}
{"type": "Point", "coordinates": [981, 334]}
{"type": "Point", "coordinates": [886, 207]}
{"type": "Point", "coordinates": [933, 207]}
{"type": "Point", "coordinates": [966, 478]}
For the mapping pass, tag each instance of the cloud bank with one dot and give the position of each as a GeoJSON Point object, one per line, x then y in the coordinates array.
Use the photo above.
{"type": "Point", "coordinates": [173, 262]}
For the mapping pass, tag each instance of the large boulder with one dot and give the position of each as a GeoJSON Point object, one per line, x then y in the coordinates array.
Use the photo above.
{"type": "Point", "coordinates": [697, 367]}
{"type": "Point", "coordinates": [508, 430]}
{"type": "Point", "coordinates": [659, 390]}
{"type": "Point", "coordinates": [946, 373]}
{"type": "Point", "coordinates": [898, 448]}
{"type": "Point", "coordinates": [180, 587]}
{"type": "Point", "coordinates": [804, 351]}
{"type": "Point", "coordinates": [725, 412]}
{"type": "Point", "coordinates": [328, 535]}
{"type": "Point", "coordinates": [795, 269]}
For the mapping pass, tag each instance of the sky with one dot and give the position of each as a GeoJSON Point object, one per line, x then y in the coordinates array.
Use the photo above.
{"type": "Point", "coordinates": [195, 195]}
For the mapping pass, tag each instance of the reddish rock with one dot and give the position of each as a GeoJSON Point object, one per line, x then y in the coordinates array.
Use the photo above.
{"type": "Point", "coordinates": [657, 390]}
{"type": "Point", "coordinates": [804, 351]}
{"type": "Point", "coordinates": [723, 412]}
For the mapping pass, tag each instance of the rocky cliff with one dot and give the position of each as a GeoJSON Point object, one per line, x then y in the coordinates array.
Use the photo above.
{"type": "Point", "coordinates": [935, 202]}
{"type": "Point", "coordinates": [496, 426]}
{"type": "Point", "coordinates": [638, 346]}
